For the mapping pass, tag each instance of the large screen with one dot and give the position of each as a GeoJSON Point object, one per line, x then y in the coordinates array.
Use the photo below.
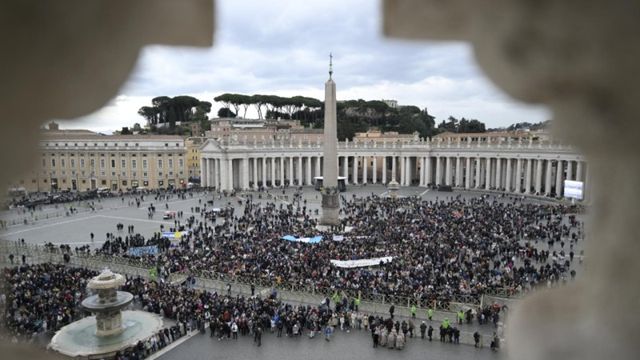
{"type": "Point", "coordinates": [573, 189]}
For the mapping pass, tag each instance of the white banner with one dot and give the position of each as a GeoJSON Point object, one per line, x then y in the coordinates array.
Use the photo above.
{"type": "Point", "coordinates": [361, 262]}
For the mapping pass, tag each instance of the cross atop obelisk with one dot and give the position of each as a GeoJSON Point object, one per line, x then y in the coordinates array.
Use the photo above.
{"type": "Point", "coordinates": [330, 201]}
{"type": "Point", "coordinates": [330, 65]}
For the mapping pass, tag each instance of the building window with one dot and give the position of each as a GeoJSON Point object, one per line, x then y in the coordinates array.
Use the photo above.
{"type": "Point", "coordinates": [102, 163]}
{"type": "Point", "coordinates": [145, 183]}
{"type": "Point", "coordinates": [103, 182]}
{"type": "Point", "coordinates": [44, 162]}
{"type": "Point", "coordinates": [144, 174]}
{"type": "Point", "coordinates": [133, 163]}
{"type": "Point", "coordinates": [92, 162]}
{"type": "Point", "coordinates": [160, 182]}
{"type": "Point", "coordinates": [170, 163]}
{"type": "Point", "coordinates": [180, 163]}
{"type": "Point", "coordinates": [73, 163]}
{"type": "Point", "coordinates": [113, 163]}
{"type": "Point", "coordinates": [53, 162]}
{"type": "Point", "coordinates": [124, 182]}
{"type": "Point", "coordinates": [160, 163]}
{"type": "Point", "coordinates": [124, 163]}
{"type": "Point", "coordinates": [144, 163]}
{"type": "Point", "coordinates": [81, 163]}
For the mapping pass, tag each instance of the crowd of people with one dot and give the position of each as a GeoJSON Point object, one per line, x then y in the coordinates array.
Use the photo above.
{"type": "Point", "coordinates": [442, 250]}
{"type": "Point", "coordinates": [43, 298]}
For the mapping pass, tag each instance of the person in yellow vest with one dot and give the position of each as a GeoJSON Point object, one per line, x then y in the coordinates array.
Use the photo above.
{"type": "Point", "coordinates": [413, 311]}
{"type": "Point", "coordinates": [460, 317]}
{"type": "Point", "coordinates": [446, 323]}
{"type": "Point", "coordinates": [356, 302]}
{"type": "Point", "coordinates": [430, 313]}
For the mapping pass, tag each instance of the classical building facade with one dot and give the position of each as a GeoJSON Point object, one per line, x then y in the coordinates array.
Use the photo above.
{"type": "Point", "coordinates": [524, 166]}
{"type": "Point", "coordinates": [82, 160]}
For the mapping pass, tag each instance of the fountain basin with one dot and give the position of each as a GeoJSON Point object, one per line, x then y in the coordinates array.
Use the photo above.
{"type": "Point", "coordinates": [79, 339]}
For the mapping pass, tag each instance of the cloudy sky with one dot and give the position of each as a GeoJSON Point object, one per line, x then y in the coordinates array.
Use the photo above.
{"type": "Point", "coordinates": [281, 47]}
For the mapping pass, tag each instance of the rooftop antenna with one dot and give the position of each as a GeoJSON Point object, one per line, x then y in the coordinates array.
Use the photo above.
{"type": "Point", "coordinates": [330, 65]}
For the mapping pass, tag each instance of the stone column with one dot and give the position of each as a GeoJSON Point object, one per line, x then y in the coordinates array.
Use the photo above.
{"type": "Point", "coordinates": [330, 200]}
{"type": "Point", "coordinates": [569, 170]}
{"type": "Point", "coordinates": [528, 176]}
{"type": "Point", "coordinates": [478, 177]}
{"type": "Point", "coordinates": [255, 173]}
{"type": "Point", "coordinates": [508, 179]}
{"type": "Point", "coordinates": [273, 171]}
{"type": "Point", "coordinates": [547, 178]}
{"type": "Point", "coordinates": [393, 168]}
{"type": "Point", "coordinates": [438, 171]}
{"type": "Point", "coordinates": [355, 169]}
{"type": "Point", "coordinates": [216, 173]}
{"type": "Point", "coordinates": [499, 173]}
{"type": "Point", "coordinates": [264, 171]}
{"type": "Point", "coordinates": [448, 171]}
{"type": "Point", "coordinates": [384, 170]}
{"type": "Point", "coordinates": [518, 178]}
{"type": "Point", "coordinates": [559, 173]}
{"type": "Point", "coordinates": [422, 161]}
{"type": "Point", "coordinates": [579, 171]}
{"type": "Point", "coordinates": [309, 177]}
{"type": "Point", "coordinates": [402, 170]}
{"type": "Point", "coordinates": [487, 184]}
{"type": "Point", "coordinates": [375, 170]}
{"type": "Point", "coordinates": [290, 173]}
{"type": "Point", "coordinates": [539, 177]}
{"type": "Point", "coordinates": [467, 180]}
{"type": "Point", "coordinates": [300, 178]}
{"type": "Point", "coordinates": [345, 170]}
{"type": "Point", "coordinates": [230, 174]}
{"type": "Point", "coordinates": [245, 175]}
{"type": "Point", "coordinates": [365, 165]}
{"type": "Point", "coordinates": [458, 171]}
{"type": "Point", "coordinates": [318, 172]}
{"type": "Point", "coordinates": [281, 167]}
{"type": "Point", "coordinates": [204, 172]}
{"type": "Point", "coordinates": [427, 171]}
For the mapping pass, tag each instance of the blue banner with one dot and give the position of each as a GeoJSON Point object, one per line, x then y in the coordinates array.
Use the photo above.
{"type": "Point", "coordinates": [311, 240]}
{"type": "Point", "coordinates": [143, 250]}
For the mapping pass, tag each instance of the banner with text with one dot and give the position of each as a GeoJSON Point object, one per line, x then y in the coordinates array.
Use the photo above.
{"type": "Point", "coordinates": [361, 262]}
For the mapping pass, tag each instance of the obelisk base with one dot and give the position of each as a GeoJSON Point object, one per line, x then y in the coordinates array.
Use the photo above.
{"type": "Point", "coordinates": [330, 208]}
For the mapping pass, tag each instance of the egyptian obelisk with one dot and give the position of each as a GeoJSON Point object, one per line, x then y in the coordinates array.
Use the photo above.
{"type": "Point", "coordinates": [330, 203]}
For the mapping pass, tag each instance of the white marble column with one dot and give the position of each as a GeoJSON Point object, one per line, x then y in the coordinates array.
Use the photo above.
{"type": "Point", "coordinates": [355, 169]}
{"type": "Point", "coordinates": [345, 170]}
{"type": "Point", "coordinates": [467, 173]}
{"type": "Point", "coordinates": [318, 162]}
{"type": "Point", "coordinates": [365, 165]}
{"type": "Point", "coordinates": [508, 179]}
{"type": "Point", "coordinates": [559, 174]}
{"type": "Point", "coordinates": [273, 172]}
{"type": "Point", "coordinates": [518, 179]}
{"type": "Point", "coordinates": [264, 171]}
{"type": "Point", "coordinates": [384, 170]}
{"type": "Point", "coordinates": [547, 178]}
{"type": "Point", "coordinates": [230, 173]}
{"type": "Point", "coordinates": [579, 171]}
{"type": "Point", "coordinates": [422, 161]}
{"type": "Point", "coordinates": [204, 172]}
{"type": "Point", "coordinates": [487, 181]}
{"type": "Point", "coordinates": [245, 173]}
{"type": "Point", "coordinates": [528, 175]}
{"type": "Point", "coordinates": [375, 170]}
{"type": "Point", "coordinates": [300, 178]}
{"type": "Point", "coordinates": [458, 171]}
{"type": "Point", "coordinates": [427, 171]}
{"type": "Point", "coordinates": [309, 177]}
{"type": "Point", "coordinates": [478, 173]}
{"type": "Point", "coordinates": [289, 176]}
{"type": "Point", "coordinates": [438, 171]}
{"type": "Point", "coordinates": [499, 173]}
{"type": "Point", "coordinates": [539, 177]}
{"type": "Point", "coordinates": [570, 170]}
{"type": "Point", "coordinates": [448, 170]}
{"type": "Point", "coordinates": [393, 168]}
{"type": "Point", "coordinates": [402, 170]}
{"type": "Point", "coordinates": [255, 173]}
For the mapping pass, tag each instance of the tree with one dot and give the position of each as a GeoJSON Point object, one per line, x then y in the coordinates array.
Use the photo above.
{"type": "Point", "coordinates": [226, 113]}
{"type": "Point", "coordinates": [125, 131]}
{"type": "Point", "coordinates": [137, 127]}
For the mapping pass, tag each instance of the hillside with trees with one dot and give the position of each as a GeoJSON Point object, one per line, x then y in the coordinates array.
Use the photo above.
{"type": "Point", "coordinates": [168, 115]}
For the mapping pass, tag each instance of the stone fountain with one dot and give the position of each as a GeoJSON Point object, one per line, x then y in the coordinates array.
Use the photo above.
{"type": "Point", "coordinates": [111, 329]}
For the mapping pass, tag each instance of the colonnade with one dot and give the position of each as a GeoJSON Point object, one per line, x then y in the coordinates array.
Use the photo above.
{"type": "Point", "coordinates": [528, 175]}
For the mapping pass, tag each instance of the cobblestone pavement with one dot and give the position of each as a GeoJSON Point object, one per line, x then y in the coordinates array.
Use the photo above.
{"type": "Point", "coordinates": [353, 346]}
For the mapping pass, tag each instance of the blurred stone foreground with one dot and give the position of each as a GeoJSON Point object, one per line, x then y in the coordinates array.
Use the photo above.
{"type": "Point", "coordinates": [65, 59]}
{"type": "Point", "coordinates": [580, 58]}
